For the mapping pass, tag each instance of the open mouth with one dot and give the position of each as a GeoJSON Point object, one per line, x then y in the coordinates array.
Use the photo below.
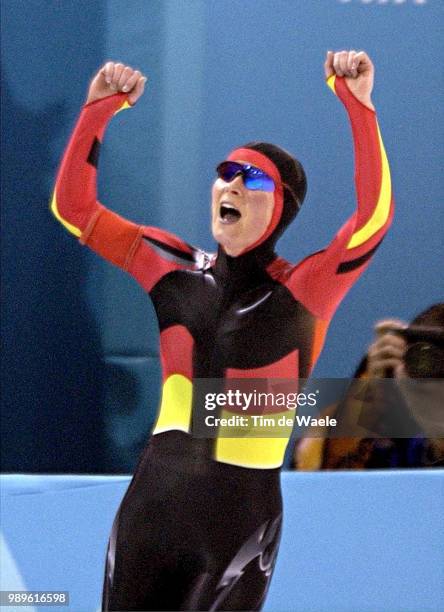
{"type": "Point", "coordinates": [228, 213]}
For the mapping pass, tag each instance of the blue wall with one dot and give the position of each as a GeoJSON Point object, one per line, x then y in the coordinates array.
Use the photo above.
{"type": "Point", "coordinates": [372, 551]}
{"type": "Point", "coordinates": [81, 370]}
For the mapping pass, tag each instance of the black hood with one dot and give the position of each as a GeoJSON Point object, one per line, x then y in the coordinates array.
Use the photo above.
{"type": "Point", "coordinates": [252, 263]}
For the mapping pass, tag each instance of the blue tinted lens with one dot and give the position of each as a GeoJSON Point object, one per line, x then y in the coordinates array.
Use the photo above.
{"type": "Point", "coordinates": [257, 180]}
{"type": "Point", "coordinates": [254, 178]}
{"type": "Point", "coordinates": [228, 170]}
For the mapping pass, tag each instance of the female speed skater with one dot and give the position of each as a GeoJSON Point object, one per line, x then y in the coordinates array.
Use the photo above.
{"type": "Point", "coordinates": [199, 527]}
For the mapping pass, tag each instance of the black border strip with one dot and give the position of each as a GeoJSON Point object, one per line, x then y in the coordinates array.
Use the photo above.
{"type": "Point", "coordinates": [176, 253]}
{"type": "Point", "coordinates": [94, 152]}
{"type": "Point", "coordinates": [348, 266]}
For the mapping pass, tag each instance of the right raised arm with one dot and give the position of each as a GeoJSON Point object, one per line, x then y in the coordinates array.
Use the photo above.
{"type": "Point", "coordinates": [74, 202]}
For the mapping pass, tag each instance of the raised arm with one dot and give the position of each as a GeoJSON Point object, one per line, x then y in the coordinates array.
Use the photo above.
{"type": "Point", "coordinates": [74, 201]}
{"type": "Point", "coordinates": [147, 253]}
{"type": "Point", "coordinates": [322, 280]}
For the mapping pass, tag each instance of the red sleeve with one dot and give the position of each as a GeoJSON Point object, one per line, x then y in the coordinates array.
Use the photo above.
{"type": "Point", "coordinates": [146, 252]}
{"type": "Point", "coordinates": [321, 280]}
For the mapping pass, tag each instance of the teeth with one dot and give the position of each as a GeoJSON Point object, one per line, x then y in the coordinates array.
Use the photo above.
{"type": "Point", "coordinates": [227, 205]}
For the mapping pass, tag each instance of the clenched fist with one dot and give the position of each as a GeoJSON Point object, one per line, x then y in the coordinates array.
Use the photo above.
{"type": "Point", "coordinates": [358, 70]}
{"type": "Point", "coordinates": [113, 78]}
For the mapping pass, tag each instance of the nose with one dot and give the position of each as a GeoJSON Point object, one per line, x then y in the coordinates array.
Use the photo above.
{"type": "Point", "coordinates": [235, 185]}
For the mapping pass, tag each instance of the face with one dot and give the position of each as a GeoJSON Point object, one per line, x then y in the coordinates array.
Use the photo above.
{"type": "Point", "coordinates": [240, 216]}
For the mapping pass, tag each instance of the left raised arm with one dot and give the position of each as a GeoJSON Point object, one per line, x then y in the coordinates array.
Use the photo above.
{"type": "Point", "coordinates": [321, 280]}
